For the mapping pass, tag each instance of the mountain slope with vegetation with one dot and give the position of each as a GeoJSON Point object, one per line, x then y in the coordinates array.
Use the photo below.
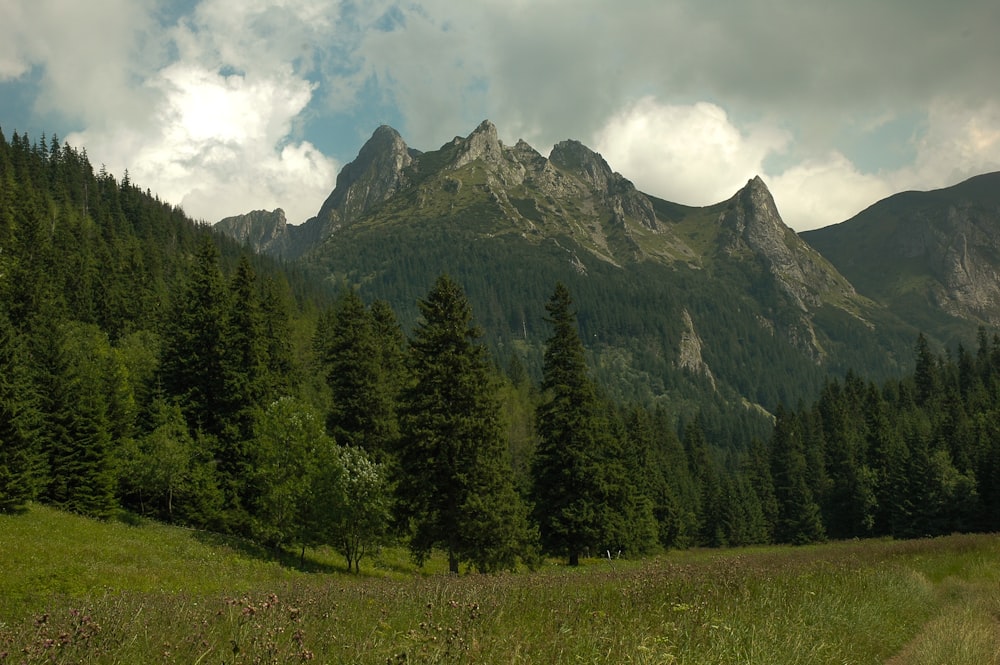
{"type": "Point", "coordinates": [151, 366]}
{"type": "Point", "coordinates": [932, 258]}
{"type": "Point", "coordinates": [687, 307]}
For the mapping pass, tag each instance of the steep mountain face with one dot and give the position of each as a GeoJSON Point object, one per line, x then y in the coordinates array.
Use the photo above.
{"type": "Point", "coordinates": [691, 306]}
{"type": "Point", "coordinates": [751, 224]}
{"type": "Point", "coordinates": [263, 230]}
{"type": "Point", "coordinates": [376, 174]}
{"type": "Point", "coordinates": [931, 257]}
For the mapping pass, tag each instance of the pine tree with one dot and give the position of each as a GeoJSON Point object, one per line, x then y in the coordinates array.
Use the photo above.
{"type": "Point", "coordinates": [245, 347]}
{"type": "Point", "coordinates": [363, 390]}
{"type": "Point", "coordinates": [455, 486]}
{"type": "Point", "coordinates": [78, 438]}
{"type": "Point", "coordinates": [197, 370]}
{"type": "Point", "coordinates": [193, 366]}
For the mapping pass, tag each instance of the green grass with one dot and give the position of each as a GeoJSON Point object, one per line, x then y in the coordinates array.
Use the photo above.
{"type": "Point", "coordinates": [73, 590]}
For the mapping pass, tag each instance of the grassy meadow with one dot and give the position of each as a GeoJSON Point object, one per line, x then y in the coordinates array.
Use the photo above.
{"type": "Point", "coordinates": [74, 590]}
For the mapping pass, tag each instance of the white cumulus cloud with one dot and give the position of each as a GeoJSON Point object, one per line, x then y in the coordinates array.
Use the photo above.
{"type": "Point", "coordinates": [691, 154]}
{"type": "Point", "coordinates": [208, 113]}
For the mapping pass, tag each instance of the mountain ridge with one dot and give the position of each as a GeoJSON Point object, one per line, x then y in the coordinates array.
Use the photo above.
{"type": "Point", "coordinates": [719, 300]}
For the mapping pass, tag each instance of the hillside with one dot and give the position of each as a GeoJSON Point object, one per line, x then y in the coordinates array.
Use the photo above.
{"type": "Point", "coordinates": [932, 258]}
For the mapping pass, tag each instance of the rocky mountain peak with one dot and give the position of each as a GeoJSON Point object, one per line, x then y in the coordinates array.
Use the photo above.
{"type": "Point", "coordinates": [751, 224]}
{"type": "Point", "coordinates": [580, 160]}
{"type": "Point", "coordinates": [483, 143]}
{"type": "Point", "coordinates": [374, 175]}
{"type": "Point", "coordinates": [618, 192]}
{"type": "Point", "coordinates": [260, 229]}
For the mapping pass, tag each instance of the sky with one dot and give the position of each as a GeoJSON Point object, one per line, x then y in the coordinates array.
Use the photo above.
{"type": "Point", "coordinates": [227, 106]}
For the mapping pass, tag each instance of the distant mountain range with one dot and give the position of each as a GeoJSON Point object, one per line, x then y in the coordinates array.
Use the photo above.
{"type": "Point", "coordinates": [722, 304]}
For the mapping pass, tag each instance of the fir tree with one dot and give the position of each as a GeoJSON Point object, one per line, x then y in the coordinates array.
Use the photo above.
{"type": "Point", "coordinates": [362, 389]}
{"type": "Point", "coordinates": [798, 520]}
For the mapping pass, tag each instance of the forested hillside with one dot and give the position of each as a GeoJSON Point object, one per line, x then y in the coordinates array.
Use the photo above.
{"type": "Point", "coordinates": [152, 366]}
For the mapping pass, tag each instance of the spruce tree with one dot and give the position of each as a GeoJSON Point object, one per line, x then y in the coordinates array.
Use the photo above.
{"type": "Point", "coordinates": [798, 519]}
{"type": "Point", "coordinates": [572, 493]}
{"type": "Point", "coordinates": [455, 487]}
{"type": "Point", "coordinates": [364, 396]}
{"type": "Point", "coordinates": [22, 465]}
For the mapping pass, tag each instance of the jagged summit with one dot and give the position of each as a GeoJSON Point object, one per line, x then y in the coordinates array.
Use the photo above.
{"type": "Point", "coordinates": [259, 228]}
{"type": "Point", "coordinates": [374, 175]}
{"type": "Point", "coordinates": [751, 225]}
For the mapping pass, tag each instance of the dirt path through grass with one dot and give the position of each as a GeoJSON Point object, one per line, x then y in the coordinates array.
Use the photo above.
{"type": "Point", "coordinates": [965, 631]}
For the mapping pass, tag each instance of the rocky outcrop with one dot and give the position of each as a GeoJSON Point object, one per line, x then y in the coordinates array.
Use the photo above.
{"type": "Point", "coordinates": [940, 247]}
{"type": "Point", "coordinates": [689, 356]}
{"type": "Point", "coordinates": [374, 176]}
{"type": "Point", "coordinates": [618, 193]}
{"type": "Point", "coordinates": [262, 230]}
{"type": "Point", "coordinates": [961, 248]}
{"type": "Point", "coordinates": [751, 225]}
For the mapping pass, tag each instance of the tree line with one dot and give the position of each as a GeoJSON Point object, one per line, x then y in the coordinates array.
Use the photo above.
{"type": "Point", "coordinates": [148, 365]}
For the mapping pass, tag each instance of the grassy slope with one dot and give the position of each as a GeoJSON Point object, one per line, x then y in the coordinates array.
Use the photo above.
{"type": "Point", "coordinates": [73, 590]}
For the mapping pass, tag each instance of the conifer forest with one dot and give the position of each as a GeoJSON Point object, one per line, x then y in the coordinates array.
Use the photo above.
{"type": "Point", "coordinates": [152, 366]}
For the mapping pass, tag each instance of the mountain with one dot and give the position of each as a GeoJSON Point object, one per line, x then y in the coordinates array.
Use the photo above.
{"type": "Point", "coordinates": [264, 230]}
{"type": "Point", "coordinates": [686, 306]}
{"type": "Point", "coordinates": [932, 258]}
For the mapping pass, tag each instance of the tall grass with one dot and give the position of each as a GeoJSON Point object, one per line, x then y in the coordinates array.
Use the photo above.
{"type": "Point", "coordinates": [180, 599]}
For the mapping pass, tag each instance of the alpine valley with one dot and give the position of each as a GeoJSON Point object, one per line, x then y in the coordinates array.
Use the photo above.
{"type": "Point", "coordinates": [721, 310]}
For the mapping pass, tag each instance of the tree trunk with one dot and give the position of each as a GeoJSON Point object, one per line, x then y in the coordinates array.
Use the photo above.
{"type": "Point", "coordinates": [574, 559]}
{"type": "Point", "coordinates": [452, 562]}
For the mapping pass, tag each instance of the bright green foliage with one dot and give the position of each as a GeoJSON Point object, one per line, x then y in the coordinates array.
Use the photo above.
{"type": "Point", "coordinates": [455, 486]}
{"type": "Point", "coordinates": [355, 499]}
{"type": "Point", "coordinates": [168, 474]}
{"type": "Point", "coordinates": [290, 443]}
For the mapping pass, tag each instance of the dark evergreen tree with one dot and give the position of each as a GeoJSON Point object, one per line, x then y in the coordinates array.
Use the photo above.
{"type": "Point", "coordinates": [798, 520]}
{"type": "Point", "coordinates": [455, 488]}
{"type": "Point", "coordinates": [193, 365]}
{"type": "Point", "coordinates": [245, 361]}
{"type": "Point", "coordinates": [196, 370]}
{"type": "Point", "coordinates": [78, 439]}
{"type": "Point", "coordinates": [363, 390]}
{"type": "Point", "coordinates": [572, 493]}
{"type": "Point", "coordinates": [22, 464]}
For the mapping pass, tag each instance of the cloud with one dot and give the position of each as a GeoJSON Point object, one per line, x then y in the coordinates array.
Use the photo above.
{"type": "Point", "coordinates": [824, 191]}
{"type": "Point", "coordinates": [822, 99]}
{"type": "Point", "coordinates": [690, 154]}
{"type": "Point", "coordinates": [959, 141]}
{"type": "Point", "coordinates": [221, 136]}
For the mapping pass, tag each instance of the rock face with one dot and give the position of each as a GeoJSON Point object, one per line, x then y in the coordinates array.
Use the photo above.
{"type": "Point", "coordinates": [751, 224]}
{"type": "Point", "coordinates": [374, 176]}
{"type": "Point", "coordinates": [941, 247]}
{"type": "Point", "coordinates": [689, 356]}
{"type": "Point", "coordinates": [618, 193]}
{"type": "Point", "coordinates": [574, 188]}
{"type": "Point", "coordinates": [260, 229]}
